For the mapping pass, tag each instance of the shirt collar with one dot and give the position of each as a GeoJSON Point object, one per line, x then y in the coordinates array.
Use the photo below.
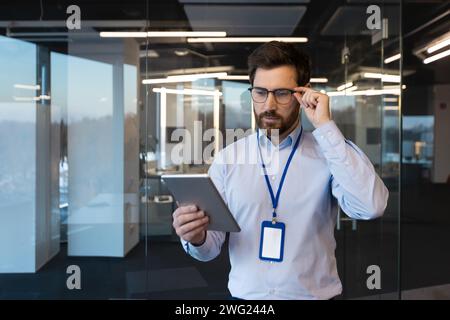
{"type": "Point", "coordinates": [288, 141]}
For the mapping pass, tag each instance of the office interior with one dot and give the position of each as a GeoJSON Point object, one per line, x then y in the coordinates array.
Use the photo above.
{"type": "Point", "coordinates": [89, 110]}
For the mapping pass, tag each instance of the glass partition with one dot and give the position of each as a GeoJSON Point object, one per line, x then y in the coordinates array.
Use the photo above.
{"type": "Point", "coordinates": [98, 100]}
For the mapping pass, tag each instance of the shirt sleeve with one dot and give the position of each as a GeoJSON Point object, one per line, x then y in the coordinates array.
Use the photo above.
{"type": "Point", "coordinates": [211, 248]}
{"type": "Point", "coordinates": [359, 190]}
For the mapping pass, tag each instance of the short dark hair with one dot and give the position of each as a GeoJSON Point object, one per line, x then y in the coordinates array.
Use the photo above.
{"type": "Point", "coordinates": [275, 54]}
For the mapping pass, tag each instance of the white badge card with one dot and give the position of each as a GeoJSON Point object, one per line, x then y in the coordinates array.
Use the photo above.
{"type": "Point", "coordinates": [271, 245]}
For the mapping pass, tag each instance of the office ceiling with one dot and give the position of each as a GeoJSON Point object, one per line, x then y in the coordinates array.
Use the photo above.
{"type": "Point", "coordinates": [328, 27]}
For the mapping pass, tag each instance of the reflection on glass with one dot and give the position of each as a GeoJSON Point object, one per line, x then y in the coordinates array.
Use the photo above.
{"type": "Point", "coordinates": [27, 229]}
{"type": "Point", "coordinates": [103, 214]}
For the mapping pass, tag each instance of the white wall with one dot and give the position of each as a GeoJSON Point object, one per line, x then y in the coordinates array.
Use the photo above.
{"type": "Point", "coordinates": [103, 146]}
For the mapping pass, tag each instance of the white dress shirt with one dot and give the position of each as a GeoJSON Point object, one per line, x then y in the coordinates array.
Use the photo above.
{"type": "Point", "coordinates": [325, 165]}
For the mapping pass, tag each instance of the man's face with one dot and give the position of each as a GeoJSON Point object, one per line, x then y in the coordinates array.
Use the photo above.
{"type": "Point", "coordinates": [271, 114]}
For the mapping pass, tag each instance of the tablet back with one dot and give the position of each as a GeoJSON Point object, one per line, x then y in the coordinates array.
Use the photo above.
{"type": "Point", "coordinates": [199, 189]}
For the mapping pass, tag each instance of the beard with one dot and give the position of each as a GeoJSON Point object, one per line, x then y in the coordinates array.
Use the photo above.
{"type": "Point", "coordinates": [277, 122]}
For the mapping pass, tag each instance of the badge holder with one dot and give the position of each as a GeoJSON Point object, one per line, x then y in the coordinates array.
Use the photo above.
{"type": "Point", "coordinates": [271, 247]}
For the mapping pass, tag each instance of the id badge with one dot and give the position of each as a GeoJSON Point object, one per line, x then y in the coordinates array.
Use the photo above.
{"type": "Point", "coordinates": [271, 245]}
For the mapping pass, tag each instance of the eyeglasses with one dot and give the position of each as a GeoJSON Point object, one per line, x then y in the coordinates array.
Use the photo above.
{"type": "Point", "coordinates": [282, 96]}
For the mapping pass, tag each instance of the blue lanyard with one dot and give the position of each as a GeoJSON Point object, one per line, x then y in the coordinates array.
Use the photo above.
{"type": "Point", "coordinates": [286, 167]}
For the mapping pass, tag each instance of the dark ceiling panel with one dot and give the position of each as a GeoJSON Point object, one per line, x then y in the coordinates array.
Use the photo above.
{"type": "Point", "coordinates": [351, 20]}
{"type": "Point", "coordinates": [265, 20]}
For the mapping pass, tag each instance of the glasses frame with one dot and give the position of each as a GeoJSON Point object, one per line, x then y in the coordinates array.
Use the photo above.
{"type": "Point", "coordinates": [274, 94]}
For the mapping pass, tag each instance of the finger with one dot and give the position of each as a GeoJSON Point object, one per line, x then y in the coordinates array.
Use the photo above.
{"type": "Point", "coordinates": [188, 227]}
{"type": "Point", "coordinates": [188, 217]}
{"type": "Point", "coordinates": [311, 99]}
{"type": "Point", "coordinates": [308, 101]}
{"type": "Point", "coordinates": [184, 209]}
{"type": "Point", "coordinates": [298, 96]}
{"type": "Point", "coordinates": [301, 89]}
{"type": "Point", "coordinates": [192, 234]}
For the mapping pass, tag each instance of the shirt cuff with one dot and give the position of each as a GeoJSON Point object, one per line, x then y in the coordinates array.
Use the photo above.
{"type": "Point", "coordinates": [197, 251]}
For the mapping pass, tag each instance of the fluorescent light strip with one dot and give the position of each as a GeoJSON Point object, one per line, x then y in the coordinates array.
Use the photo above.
{"type": "Point", "coordinates": [122, 34]}
{"type": "Point", "coordinates": [437, 56]}
{"type": "Point", "coordinates": [248, 39]}
{"type": "Point", "coordinates": [159, 80]}
{"type": "Point", "coordinates": [393, 58]}
{"type": "Point", "coordinates": [439, 45]}
{"type": "Point", "coordinates": [369, 92]}
{"type": "Point", "coordinates": [318, 80]}
{"type": "Point", "coordinates": [351, 89]}
{"type": "Point", "coordinates": [390, 99]}
{"type": "Point", "coordinates": [161, 34]}
{"type": "Point", "coordinates": [184, 78]}
{"type": "Point", "coordinates": [344, 86]}
{"type": "Point", "coordinates": [234, 77]}
{"type": "Point", "coordinates": [200, 70]}
{"type": "Point", "coordinates": [391, 108]}
{"type": "Point", "coordinates": [188, 91]}
{"type": "Point", "coordinates": [383, 77]}
{"type": "Point", "coordinates": [27, 86]}
{"type": "Point", "coordinates": [191, 77]}
{"type": "Point", "coordinates": [182, 34]}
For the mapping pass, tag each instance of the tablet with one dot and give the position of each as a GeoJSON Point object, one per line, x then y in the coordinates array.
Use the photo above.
{"type": "Point", "coordinates": [199, 189]}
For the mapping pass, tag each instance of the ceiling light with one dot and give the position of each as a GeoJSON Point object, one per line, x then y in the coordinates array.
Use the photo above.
{"type": "Point", "coordinates": [344, 86]}
{"type": "Point", "coordinates": [383, 77]}
{"type": "Point", "coordinates": [393, 58]}
{"type": "Point", "coordinates": [149, 54]}
{"type": "Point", "coordinates": [122, 34]}
{"type": "Point", "coordinates": [161, 34]}
{"type": "Point", "coordinates": [158, 34]}
{"type": "Point", "coordinates": [369, 92]}
{"type": "Point", "coordinates": [248, 39]}
{"type": "Point", "coordinates": [234, 77]}
{"type": "Point", "coordinates": [439, 45]}
{"type": "Point", "coordinates": [184, 78]}
{"type": "Point", "coordinates": [318, 80]}
{"type": "Point", "coordinates": [195, 76]}
{"type": "Point", "coordinates": [181, 53]}
{"type": "Point", "coordinates": [188, 91]}
{"type": "Point", "coordinates": [437, 56]}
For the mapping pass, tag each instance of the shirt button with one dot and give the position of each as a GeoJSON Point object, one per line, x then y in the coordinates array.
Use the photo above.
{"type": "Point", "coordinates": [273, 177]}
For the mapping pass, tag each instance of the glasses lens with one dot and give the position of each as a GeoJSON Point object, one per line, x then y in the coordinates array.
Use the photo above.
{"type": "Point", "coordinates": [283, 96]}
{"type": "Point", "coordinates": [259, 95]}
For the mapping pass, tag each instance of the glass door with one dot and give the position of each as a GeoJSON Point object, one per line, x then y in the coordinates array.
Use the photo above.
{"type": "Point", "coordinates": [366, 106]}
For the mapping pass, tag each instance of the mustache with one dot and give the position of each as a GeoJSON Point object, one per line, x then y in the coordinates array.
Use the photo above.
{"type": "Point", "coordinates": [270, 114]}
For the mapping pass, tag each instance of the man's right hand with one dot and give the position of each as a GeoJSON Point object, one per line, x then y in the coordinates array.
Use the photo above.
{"type": "Point", "coordinates": [190, 224]}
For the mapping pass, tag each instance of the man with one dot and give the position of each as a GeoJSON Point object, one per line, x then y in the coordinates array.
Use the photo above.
{"type": "Point", "coordinates": [285, 249]}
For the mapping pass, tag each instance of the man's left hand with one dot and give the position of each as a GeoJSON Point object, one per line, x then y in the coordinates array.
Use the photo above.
{"type": "Point", "coordinates": [315, 104]}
